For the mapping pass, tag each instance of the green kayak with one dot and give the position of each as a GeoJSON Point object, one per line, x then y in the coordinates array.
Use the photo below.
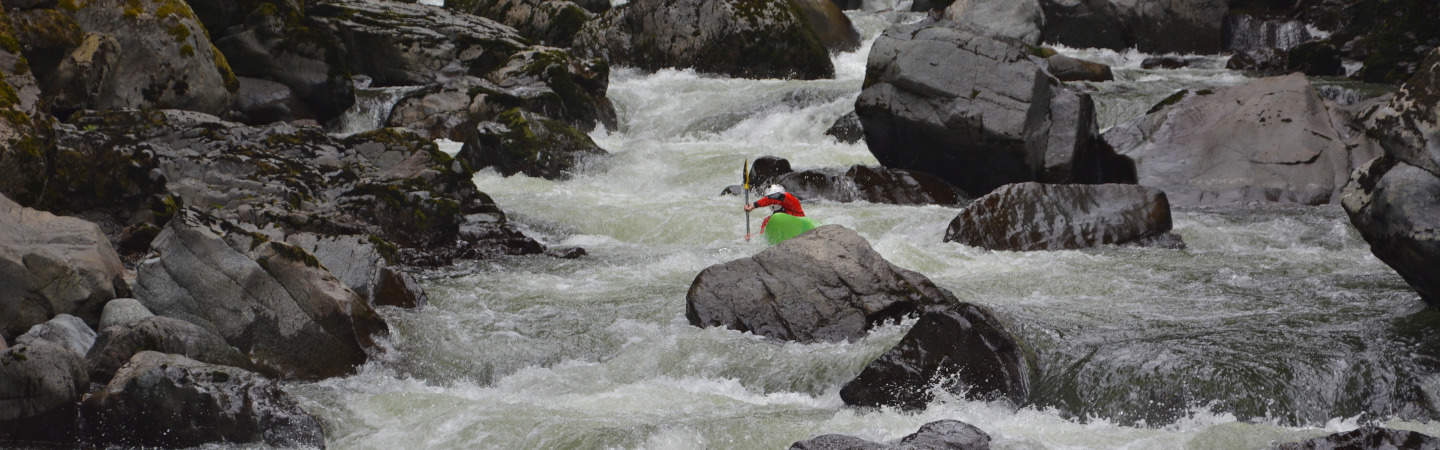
{"type": "Point", "coordinates": [784, 226]}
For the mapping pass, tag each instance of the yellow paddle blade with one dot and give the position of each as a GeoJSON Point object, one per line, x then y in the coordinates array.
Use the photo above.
{"type": "Point", "coordinates": [745, 169]}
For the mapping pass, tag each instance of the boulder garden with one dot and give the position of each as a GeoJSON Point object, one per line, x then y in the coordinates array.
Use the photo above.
{"type": "Point", "coordinates": [53, 265]}
{"type": "Point", "coordinates": [825, 285]}
{"type": "Point", "coordinates": [1034, 216]}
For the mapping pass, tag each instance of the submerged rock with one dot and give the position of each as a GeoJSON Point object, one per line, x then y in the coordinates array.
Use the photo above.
{"type": "Point", "coordinates": [115, 345]}
{"type": "Point", "coordinates": [940, 434]}
{"type": "Point", "coordinates": [40, 386]}
{"type": "Point", "coordinates": [963, 349]}
{"type": "Point", "coordinates": [825, 285]}
{"type": "Point", "coordinates": [1034, 216]}
{"type": "Point", "coordinates": [1370, 437]}
{"type": "Point", "coordinates": [53, 265]}
{"type": "Point", "coordinates": [1071, 69]}
{"type": "Point", "coordinates": [1270, 140]}
{"type": "Point", "coordinates": [173, 401]}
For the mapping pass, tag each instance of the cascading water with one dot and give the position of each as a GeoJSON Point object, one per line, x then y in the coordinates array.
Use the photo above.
{"type": "Point", "coordinates": [1275, 325]}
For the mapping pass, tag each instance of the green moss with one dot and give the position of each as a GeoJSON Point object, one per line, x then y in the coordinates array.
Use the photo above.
{"type": "Point", "coordinates": [8, 97]}
{"type": "Point", "coordinates": [179, 31]}
{"type": "Point", "coordinates": [69, 5]}
{"type": "Point", "coordinates": [1172, 99]}
{"type": "Point", "coordinates": [294, 253]}
{"type": "Point", "coordinates": [133, 8]}
{"type": "Point", "coordinates": [187, 51]}
{"type": "Point", "coordinates": [9, 43]}
{"type": "Point", "coordinates": [232, 84]}
{"type": "Point", "coordinates": [173, 8]}
{"type": "Point", "coordinates": [387, 249]}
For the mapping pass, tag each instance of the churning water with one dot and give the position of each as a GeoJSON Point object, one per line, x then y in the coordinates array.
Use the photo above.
{"type": "Point", "coordinates": [1275, 325]}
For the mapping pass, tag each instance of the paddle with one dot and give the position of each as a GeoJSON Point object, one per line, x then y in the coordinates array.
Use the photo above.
{"type": "Point", "coordinates": [745, 174]}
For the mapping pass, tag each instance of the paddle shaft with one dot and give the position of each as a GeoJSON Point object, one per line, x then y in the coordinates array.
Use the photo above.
{"type": "Point", "coordinates": [745, 174]}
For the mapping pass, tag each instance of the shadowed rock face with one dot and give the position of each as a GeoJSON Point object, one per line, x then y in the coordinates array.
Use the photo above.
{"type": "Point", "coordinates": [1034, 216]}
{"type": "Point", "coordinates": [825, 285]}
{"type": "Point", "coordinates": [40, 384]}
{"type": "Point", "coordinates": [963, 349]}
{"type": "Point", "coordinates": [1270, 140]}
{"type": "Point", "coordinates": [942, 434]}
{"type": "Point", "coordinates": [1160, 26]}
{"type": "Point", "coordinates": [53, 265]}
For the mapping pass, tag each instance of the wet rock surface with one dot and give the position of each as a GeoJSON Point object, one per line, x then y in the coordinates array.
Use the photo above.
{"type": "Point", "coordinates": [40, 386]}
{"type": "Point", "coordinates": [940, 434]}
{"type": "Point", "coordinates": [522, 142]}
{"type": "Point", "coordinates": [1367, 437]}
{"type": "Point", "coordinates": [115, 345]}
{"type": "Point", "coordinates": [1034, 216]}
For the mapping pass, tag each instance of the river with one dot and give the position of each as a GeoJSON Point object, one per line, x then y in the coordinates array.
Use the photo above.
{"type": "Point", "coordinates": [1275, 324]}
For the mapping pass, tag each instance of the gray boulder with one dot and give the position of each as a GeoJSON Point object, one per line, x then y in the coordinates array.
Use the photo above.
{"type": "Point", "coordinates": [739, 38]}
{"type": "Point", "coordinates": [1020, 20]}
{"type": "Point", "coordinates": [40, 386]}
{"type": "Point", "coordinates": [271, 300]}
{"type": "Point", "coordinates": [825, 285]}
{"type": "Point", "coordinates": [1162, 26]}
{"type": "Point", "coordinates": [115, 345]}
{"type": "Point", "coordinates": [1270, 140]}
{"type": "Point", "coordinates": [549, 22]}
{"type": "Point", "coordinates": [365, 266]}
{"type": "Point", "coordinates": [523, 142]}
{"type": "Point", "coordinates": [977, 111]}
{"type": "Point", "coordinates": [53, 265]}
{"type": "Point", "coordinates": [963, 349]}
{"type": "Point", "coordinates": [122, 311]}
{"type": "Point", "coordinates": [1409, 125]}
{"type": "Point", "coordinates": [262, 101]}
{"type": "Point", "coordinates": [412, 44]}
{"type": "Point", "coordinates": [1367, 437]}
{"type": "Point", "coordinates": [1034, 216]}
{"type": "Point", "coordinates": [940, 434]}
{"type": "Point", "coordinates": [275, 41]}
{"type": "Point", "coordinates": [24, 126]}
{"type": "Point", "coordinates": [64, 330]}
{"type": "Point", "coordinates": [173, 401]}
{"type": "Point", "coordinates": [1071, 69]}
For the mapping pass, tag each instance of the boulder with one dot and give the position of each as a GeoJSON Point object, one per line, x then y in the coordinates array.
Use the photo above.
{"type": "Point", "coordinates": [976, 111]}
{"type": "Point", "coordinates": [871, 184]}
{"type": "Point", "coordinates": [261, 101]}
{"type": "Point", "coordinates": [367, 266]}
{"type": "Point", "coordinates": [1270, 140]}
{"type": "Point", "coordinates": [1408, 126]}
{"type": "Point", "coordinates": [847, 129]}
{"type": "Point", "coordinates": [53, 265]}
{"type": "Point", "coordinates": [273, 301]}
{"type": "Point", "coordinates": [115, 345]}
{"type": "Point", "coordinates": [1389, 38]}
{"type": "Point", "coordinates": [275, 41]}
{"type": "Point", "coordinates": [40, 386]}
{"type": "Point", "coordinates": [24, 126]}
{"type": "Point", "coordinates": [765, 169]}
{"type": "Point", "coordinates": [1165, 62]}
{"type": "Point", "coordinates": [738, 38]}
{"type": "Point", "coordinates": [549, 22]}
{"type": "Point", "coordinates": [64, 330]}
{"type": "Point", "coordinates": [412, 44]}
{"type": "Point", "coordinates": [825, 285]}
{"type": "Point", "coordinates": [940, 434]}
{"type": "Point", "coordinates": [830, 24]}
{"type": "Point", "coordinates": [1368, 436]}
{"type": "Point", "coordinates": [164, 58]}
{"type": "Point", "coordinates": [122, 311]}
{"type": "Point", "coordinates": [173, 401]}
{"type": "Point", "coordinates": [1071, 69]}
{"type": "Point", "coordinates": [524, 142]}
{"type": "Point", "coordinates": [1034, 216]}
{"type": "Point", "coordinates": [963, 349]}
{"type": "Point", "coordinates": [1165, 26]}
{"type": "Point", "coordinates": [1020, 20]}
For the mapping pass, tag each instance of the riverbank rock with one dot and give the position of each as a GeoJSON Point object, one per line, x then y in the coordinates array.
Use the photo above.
{"type": "Point", "coordinates": [825, 285]}
{"type": "Point", "coordinates": [366, 266]}
{"type": "Point", "coordinates": [1388, 38]}
{"type": "Point", "coordinates": [549, 22]}
{"type": "Point", "coordinates": [523, 142]}
{"type": "Point", "coordinates": [1006, 121]}
{"type": "Point", "coordinates": [963, 349]}
{"type": "Point", "coordinates": [123, 311]}
{"type": "Point", "coordinates": [1367, 437]}
{"type": "Point", "coordinates": [830, 24]}
{"type": "Point", "coordinates": [273, 301]}
{"type": "Point", "coordinates": [1269, 140]}
{"type": "Point", "coordinates": [24, 125]}
{"type": "Point", "coordinates": [53, 265]}
{"type": "Point", "coordinates": [1071, 69]}
{"type": "Point", "coordinates": [1170, 26]}
{"type": "Point", "coordinates": [64, 330]}
{"type": "Point", "coordinates": [411, 44]}
{"type": "Point", "coordinates": [738, 38]}
{"type": "Point", "coordinates": [940, 434]}
{"type": "Point", "coordinates": [40, 387]}
{"type": "Point", "coordinates": [115, 345]}
{"type": "Point", "coordinates": [1020, 20]}
{"type": "Point", "coordinates": [173, 401]}
{"type": "Point", "coordinates": [1408, 125]}
{"type": "Point", "coordinates": [1034, 216]}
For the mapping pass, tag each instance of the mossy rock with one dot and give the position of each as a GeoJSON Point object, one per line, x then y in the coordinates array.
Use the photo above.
{"type": "Point", "coordinates": [524, 142]}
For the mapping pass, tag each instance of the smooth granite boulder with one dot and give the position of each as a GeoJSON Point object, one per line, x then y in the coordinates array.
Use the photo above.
{"type": "Point", "coordinates": [122, 311]}
{"type": "Point", "coordinates": [1034, 216]}
{"type": "Point", "coordinates": [1021, 20]}
{"type": "Point", "coordinates": [115, 345]}
{"type": "Point", "coordinates": [53, 265]}
{"type": "Point", "coordinates": [64, 330]}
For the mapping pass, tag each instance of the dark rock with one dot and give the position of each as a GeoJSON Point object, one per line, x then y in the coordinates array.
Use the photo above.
{"type": "Point", "coordinates": [963, 349]}
{"type": "Point", "coordinates": [830, 25]}
{"type": "Point", "coordinates": [276, 41]}
{"type": "Point", "coordinates": [566, 252]}
{"type": "Point", "coordinates": [1408, 127]}
{"type": "Point", "coordinates": [549, 22]}
{"type": "Point", "coordinates": [930, 5]}
{"type": "Point", "coordinates": [24, 125]}
{"type": "Point", "coordinates": [40, 384]}
{"type": "Point", "coordinates": [1270, 140]}
{"type": "Point", "coordinates": [366, 266]}
{"type": "Point", "coordinates": [872, 184]}
{"type": "Point", "coordinates": [1390, 38]}
{"type": "Point", "coordinates": [116, 344]}
{"type": "Point", "coordinates": [1265, 61]}
{"type": "Point", "coordinates": [1034, 216]}
{"type": "Point", "coordinates": [825, 285]}
{"type": "Point", "coordinates": [595, 6]}
{"type": "Point", "coordinates": [920, 113]}
{"type": "Point", "coordinates": [1367, 437]}
{"type": "Point", "coordinates": [766, 169]}
{"type": "Point", "coordinates": [410, 44]}
{"type": "Point", "coordinates": [1070, 69]}
{"type": "Point", "coordinates": [262, 101]}
{"type": "Point", "coordinates": [847, 129]}
{"type": "Point", "coordinates": [523, 142]}
{"type": "Point", "coordinates": [53, 265]}
{"type": "Point", "coordinates": [273, 301]}
{"type": "Point", "coordinates": [942, 434]}
{"type": "Point", "coordinates": [64, 330]}
{"type": "Point", "coordinates": [1317, 59]}
{"type": "Point", "coordinates": [733, 189]}
{"type": "Point", "coordinates": [123, 311]}
{"type": "Point", "coordinates": [1396, 207]}
{"type": "Point", "coordinates": [173, 401]}
{"type": "Point", "coordinates": [739, 38]}
{"type": "Point", "coordinates": [849, 4]}
{"type": "Point", "coordinates": [1172, 26]}
{"type": "Point", "coordinates": [1020, 20]}
{"type": "Point", "coordinates": [1164, 62]}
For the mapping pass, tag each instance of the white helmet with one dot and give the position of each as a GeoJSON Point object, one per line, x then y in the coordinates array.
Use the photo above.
{"type": "Point", "coordinates": [774, 189]}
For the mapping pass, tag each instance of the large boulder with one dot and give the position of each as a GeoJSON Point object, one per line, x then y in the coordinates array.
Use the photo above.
{"type": "Point", "coordinates": [40, 386]}
{"type": "Point", "coordinates": [53, 265]}
{"type": "Point", "coordinates": [549, 22]}
{"type": "Point", "coordinates": [411, 44]}
{"type": "Point", "coordinates": [940, 434]}
{"type": "Point", "coordinates": [1034, 216]}
{"type": "Point", "coordinates": [1368, 436]}
{"type": "Point", "coordinates": [522, 142]}
{"type": "Point", "coordinates": [964, 350]}
{"type": "Point", "coordinates": [273, 301]}
{"type": "Point", "coordinates": [1408, 126]}
{"type": "Point", "coordinates": [739, 38]}
{"type": "Point", "coordinates": [173, 401]}
{"type": "Point", "coordinates": [1270, 140]}
{"type": "Point", "coordinates": [830, 24]}
{"type": "Point", "coordinates": [367, 266]}
{"type": "Point", "coordinates": [116, 344]}
{"type": "Point", "coordinates": [274, 41]}
{"type": "Point", "coordinates": [977, 111]}
{"type": "Point", "coordinates": [64, 330]}
{"type": "Point", "coordinates": [1021, 20]}
{"type": "Point", "coordinates": [825, 285]}
{"type": "Point", "coordinates": [24, 126]}
{"type": "Point", "coordinates": [1163, 26]}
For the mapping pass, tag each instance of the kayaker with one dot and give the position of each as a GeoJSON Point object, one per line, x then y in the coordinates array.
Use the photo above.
{"type": "Point", "coordinates": [784, 202]}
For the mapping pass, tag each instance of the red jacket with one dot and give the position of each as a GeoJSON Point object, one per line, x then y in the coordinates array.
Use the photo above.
{"type": "Point", "coordinates": [787, 202]}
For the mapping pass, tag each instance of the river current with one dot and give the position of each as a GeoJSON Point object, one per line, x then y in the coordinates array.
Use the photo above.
{"type": "Point", "coordinates": [1276, 324]}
